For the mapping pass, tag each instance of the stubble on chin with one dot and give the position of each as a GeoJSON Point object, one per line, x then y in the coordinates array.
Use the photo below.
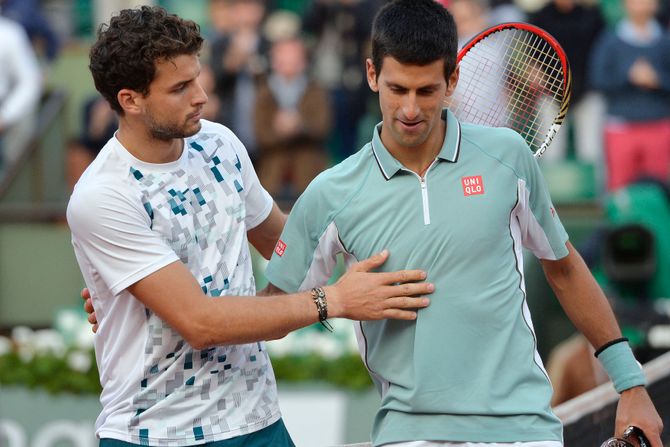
{"type": "Point", "coordinates": [172, 132]}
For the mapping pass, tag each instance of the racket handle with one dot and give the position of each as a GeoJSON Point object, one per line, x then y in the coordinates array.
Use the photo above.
{"type": "Point", "coordinates": [637, 433]}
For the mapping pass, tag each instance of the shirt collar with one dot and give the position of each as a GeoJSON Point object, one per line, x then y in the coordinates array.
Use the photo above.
{"type": "Point", "coordinates": [451, 146]}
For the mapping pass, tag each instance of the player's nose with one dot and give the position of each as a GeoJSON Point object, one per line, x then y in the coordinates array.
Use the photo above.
{"type": "Point", "coordinates": [410, 108]}
{"type": "Point", "coordinates": [200, 96]}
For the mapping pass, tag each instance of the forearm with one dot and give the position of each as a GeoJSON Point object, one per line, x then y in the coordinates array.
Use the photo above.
{"type": "Point", "coordinates": [175, 296]}
{"type": "Point", "coordinates": [582, 299]}
{"type": "Point", "coordinates": [235, 320]}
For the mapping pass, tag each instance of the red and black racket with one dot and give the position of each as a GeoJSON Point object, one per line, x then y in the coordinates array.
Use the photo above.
{"type": "Point", "coordinates": [514, 75]}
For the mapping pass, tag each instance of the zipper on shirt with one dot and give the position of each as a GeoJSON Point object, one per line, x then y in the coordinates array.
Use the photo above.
{"type": "Point", "coordinates": [424, 200]}
{"type": "Point", "coordinates": [424, 192]}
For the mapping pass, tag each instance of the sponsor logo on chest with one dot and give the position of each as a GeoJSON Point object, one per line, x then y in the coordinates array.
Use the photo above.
{"type": "Point", "coordinates": [472, 185]}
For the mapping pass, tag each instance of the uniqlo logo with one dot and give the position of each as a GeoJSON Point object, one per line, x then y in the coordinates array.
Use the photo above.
{"type": "Point", "coordinates": [280, 248]}
{"type": "Point", "coordinates": [472, 185]}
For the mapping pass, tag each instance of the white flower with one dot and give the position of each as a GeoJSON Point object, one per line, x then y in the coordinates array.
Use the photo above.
{"type": "Point", "coordinates": [5, 345]}
{"type": "Point", "coordinates": [79, 361]}
{"type": "Point", "coordinates": [308, 340]}
{"type": "Point", "coordinates": [22, 335]}
{"type": "Point", "coordinates": [48, 341]}
{"type": "Point", "coordinates": [275, 348]}
{"type": "Point", "coordinates": [283, 346]}
{"type": "Point", "coordinates": [67, 322]}
{"type": "Point", "coordinates": [26, 353]}
{"type": "Point", "coordinates": [326, 345]}
{"type": "Point", "coordinates": [84, 336]}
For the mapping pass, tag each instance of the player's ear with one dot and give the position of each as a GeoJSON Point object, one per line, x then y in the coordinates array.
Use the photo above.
{"type": "Point", "coordinates": [372, 75]}
{"type": "Point", "coordinates": [129, 100]}
{"type": "Point", "coordinates": [452, 81]}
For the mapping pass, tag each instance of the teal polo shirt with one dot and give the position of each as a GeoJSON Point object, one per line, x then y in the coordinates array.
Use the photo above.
{"type": "Point", "coordinates": [467, 369]}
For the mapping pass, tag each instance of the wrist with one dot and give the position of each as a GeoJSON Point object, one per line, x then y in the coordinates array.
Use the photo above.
{"type": "Point", "coordinates": [321, 303]}
{"type": "Point", "coordinates": [335, 309]}
{"type": "Point", "coordinates": [619, 362]}
{"type": "Point", "coordinates": [634, 390]}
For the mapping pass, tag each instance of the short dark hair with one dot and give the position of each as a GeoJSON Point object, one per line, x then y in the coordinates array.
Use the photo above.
{"type": "Point", "coordinates": [126, 52]}
{"type": "Point", "coordinates": [416, 32]}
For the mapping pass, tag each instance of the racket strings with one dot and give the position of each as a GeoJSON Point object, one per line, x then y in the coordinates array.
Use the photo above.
{"type": "Point", "coordinates": [512, 78]}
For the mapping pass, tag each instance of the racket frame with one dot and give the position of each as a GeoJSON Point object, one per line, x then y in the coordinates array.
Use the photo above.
{"type": "Point", "coordinates": [567, 75]}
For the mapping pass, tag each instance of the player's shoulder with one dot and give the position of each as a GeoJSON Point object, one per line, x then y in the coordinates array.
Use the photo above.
{"type": "Point", "coordinates": [336, 185]}
{"type": "Point", "coordinates": [212, 128]}
{"type": "Point", "coordinates": [107, 177]}
{"type": "Point", "coordinates": [502, 145]}
{"type": "Point", "coordinates": [213, 134]}
{"type": "Point", "coordinates": [215, 139]}
{"type": "Point", "coordinates": [348, 173]}
{"type": "Point", "coordinates": [107, 170]}
{"type": "Point", "coordinates": [493, 139]}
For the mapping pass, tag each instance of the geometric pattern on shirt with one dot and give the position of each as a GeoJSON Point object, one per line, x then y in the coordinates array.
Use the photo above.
{"type": "Point", "coordinates": [186, 208]}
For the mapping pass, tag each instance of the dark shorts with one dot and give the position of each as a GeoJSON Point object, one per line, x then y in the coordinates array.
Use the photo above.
{"type": "Point", "coordinates": [274, 435]}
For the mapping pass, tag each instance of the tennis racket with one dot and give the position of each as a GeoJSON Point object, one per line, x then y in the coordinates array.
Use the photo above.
{"type": "Point", "coordinates": [631, 431]}
{"type": "Point", "coordinates": [514, 75]}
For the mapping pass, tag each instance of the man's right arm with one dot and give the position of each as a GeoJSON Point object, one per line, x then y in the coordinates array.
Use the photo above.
{"type": "Point", "coordinates": [175, 296]}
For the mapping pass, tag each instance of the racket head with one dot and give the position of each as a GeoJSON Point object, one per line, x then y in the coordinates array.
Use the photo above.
{"type": "Point", "coordinates": [514, 75]}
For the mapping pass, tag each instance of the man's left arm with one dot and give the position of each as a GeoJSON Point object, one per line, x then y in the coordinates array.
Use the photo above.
{"type": "Point", "coordinates": [587, 307]}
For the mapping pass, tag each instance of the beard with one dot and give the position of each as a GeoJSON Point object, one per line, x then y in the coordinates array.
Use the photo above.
{"type": "Point", "coordinates": [172, 130]}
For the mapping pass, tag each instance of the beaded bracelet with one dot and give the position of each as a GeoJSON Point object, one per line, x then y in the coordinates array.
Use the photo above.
{"type": "Point", "coordinates": [319, 297]}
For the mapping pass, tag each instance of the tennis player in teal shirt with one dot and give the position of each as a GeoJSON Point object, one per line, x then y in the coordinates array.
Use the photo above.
{"type": "Point", "coordinates": [461, 202]}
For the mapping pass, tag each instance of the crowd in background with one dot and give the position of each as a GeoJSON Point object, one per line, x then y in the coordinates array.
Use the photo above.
{"type": "Point", "coordinates": [288, 78]}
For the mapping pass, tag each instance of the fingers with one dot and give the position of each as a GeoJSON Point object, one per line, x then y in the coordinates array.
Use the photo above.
{"type": "Point", "coordinates": [93, 320]}
{"type": "Point", "coordinates": [404, 307]}
{"type": "Point", "coordinates": [88, 306]}
{"type": "Point", "coordinates": [399, 308]}
{"type": "Point", "coordinates": [409, 289]}
{"type": "Point", "coordinates": [652, 435]}
{"type": "Point", "coordinates": [406, 302]}
{"type": "Point", "coordinates": [370, 263]}
{"type": "Point", "coordinates": [402, 276]}
{"type": "Point", "coordinates": [397, 314]}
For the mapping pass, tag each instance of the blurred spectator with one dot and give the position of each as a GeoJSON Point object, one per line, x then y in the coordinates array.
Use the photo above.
{"type": "Point", "coordinates": [503, 11]}
{"type": "Point", "coordinates": [471, 17]}
{"type": "Point", "coordinates": [221, 19]}
{"type": "Point", "coordinates": [20, 88]}
{"type": "Point", "coordinates": [281, 24]}
{"type": "Point", "coordinates": [474, 16]}
{"type": "Point", "coordinates": [238, 58]}
{"type": "Point", "coordinates": [99, 122]}
{"type": "Point", "coordinates": [293, 120]}
{"type": "Point", "coordinates": [341, 29]}
{"type": "Point", "coordinates": [631, 65]}
{"type": "Point", "coordinates": [40, 32]}
{"type": "Point", "coordinates": [576, 27]}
